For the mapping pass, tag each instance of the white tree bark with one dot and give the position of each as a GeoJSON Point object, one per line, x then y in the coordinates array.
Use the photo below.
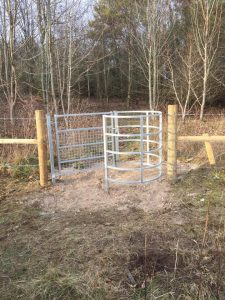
{"type": "Point", "coordinates": [206, 23]}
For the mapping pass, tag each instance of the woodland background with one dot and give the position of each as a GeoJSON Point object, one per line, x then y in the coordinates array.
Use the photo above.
{"type": "Point", "coordinates": [70, 56]}
{"type": "Point", "coordinates": [157, 51]}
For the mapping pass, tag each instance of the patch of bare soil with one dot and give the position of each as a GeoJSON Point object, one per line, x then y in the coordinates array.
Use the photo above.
{"type": "Point", "coordinates": [105, 247]}
{"type": "Point", "coordinates": [86, 191]}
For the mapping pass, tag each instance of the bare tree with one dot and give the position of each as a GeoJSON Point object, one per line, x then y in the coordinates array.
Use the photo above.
{"type": "Point", "coordinates": [9, 15]}
{"type": "Point", "coordinates": [150, 42]}
{"type": "Point", "coordinates": [50, 17]}
{"type": "Point", "coordinates": [206, 23]}
{"type": "Point", "coordinates": [183, 78]}
{"type": "Point", "coordinates": [42, 26]}
{"type": "Point", "coordinates": [53, 48]}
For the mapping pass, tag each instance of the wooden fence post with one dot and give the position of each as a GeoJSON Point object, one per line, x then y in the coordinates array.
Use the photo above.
{"type": "Point", "coordinates": [172, 143]}
{"type": "Point", "coordinates": [209, 151]}
{"type": "Point", "coordinates": [42, 146]}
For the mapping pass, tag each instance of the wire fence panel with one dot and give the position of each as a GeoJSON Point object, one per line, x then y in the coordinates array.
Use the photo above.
{"type": "Point", "coordinates": [78, 141]}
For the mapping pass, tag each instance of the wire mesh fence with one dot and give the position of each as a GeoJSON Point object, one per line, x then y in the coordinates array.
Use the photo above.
{"type": "Point", "coordinates": [78, 142]}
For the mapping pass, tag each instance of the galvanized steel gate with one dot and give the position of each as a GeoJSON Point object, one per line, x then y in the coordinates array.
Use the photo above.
{"type": "Point", "coordinates": [76, 142]}
{"type": "Point", "coordinates": [132, 147]}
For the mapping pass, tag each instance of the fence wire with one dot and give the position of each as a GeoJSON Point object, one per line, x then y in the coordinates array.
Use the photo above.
{"type": "Point", "coordinates": [192, 155]}
{"type": "Point", "coordinates": [83, 149]}
{"type": "Point", "coordinates": [78, 142]}
{"type": "Point", "coordinates": [18, 159]}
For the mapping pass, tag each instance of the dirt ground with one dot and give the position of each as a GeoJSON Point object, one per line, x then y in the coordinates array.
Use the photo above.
{"type": "Point", "coordinates": [86, 191]}
{"type": "Point", "coordinates": [145, 242]}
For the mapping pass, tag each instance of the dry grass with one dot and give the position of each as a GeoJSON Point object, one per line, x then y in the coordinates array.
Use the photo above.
{"type": "Point", "coordinates": [195, 153]}
{"type": "Point", "coordinates": [12, 156]}
{"type": "Point", "coordinates": [175, 253]}
{"type": "Point", "coordinates": [213, 125]}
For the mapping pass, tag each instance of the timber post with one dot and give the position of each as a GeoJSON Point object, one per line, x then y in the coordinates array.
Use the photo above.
{"type": "Point", "coordinates": [209, 151]}
{"type": "Point", "coordinates": [42, 146]}
{"type": "Point", "coordinates": [172, 143]}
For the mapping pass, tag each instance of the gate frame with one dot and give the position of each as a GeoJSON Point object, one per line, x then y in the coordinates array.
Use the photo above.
{"type": "Point", "coordinates": [115, 143]}
{"type": "Point", "coordinates": [50, 123]}
{"type": "Point", "coordinates": [115, 150]}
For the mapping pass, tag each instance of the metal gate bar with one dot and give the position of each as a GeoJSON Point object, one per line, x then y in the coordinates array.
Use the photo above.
{"type": "Point", "coordinates": [148, 157]}
{"type": "Point", "coordinates": [51, 147]}
{"type": "Point", "coordinates": [76, 141]}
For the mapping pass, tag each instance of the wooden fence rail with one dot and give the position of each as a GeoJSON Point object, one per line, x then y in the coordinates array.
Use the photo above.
{"type": "Point", "coordinates": [202, 138]}
{"type": "Point", "coordinates": [19, 141]}
{"type": "Point", "coordinates": [41, 143]}
{"type": "Point", "coordinates": [173, 139]}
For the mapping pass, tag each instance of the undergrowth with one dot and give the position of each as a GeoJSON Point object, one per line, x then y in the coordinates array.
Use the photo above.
{"type": "Point", "coordinates": [23, 168]}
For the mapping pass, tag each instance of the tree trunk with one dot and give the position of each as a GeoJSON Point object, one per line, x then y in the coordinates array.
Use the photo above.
{"type": "Point", "coordinates": [129, 80]}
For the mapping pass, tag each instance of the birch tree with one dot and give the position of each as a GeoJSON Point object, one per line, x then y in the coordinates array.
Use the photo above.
{"type": "Point", "coordinates": [206, 22]}
{"type": "Point", "coordinates": [42, 27]}
{"type": "Point", "coordinates": [9, 15]}
{"type": "Point", "coordinates": [183, 76]}
{"type": "Point", "coordinates": [150, 40]}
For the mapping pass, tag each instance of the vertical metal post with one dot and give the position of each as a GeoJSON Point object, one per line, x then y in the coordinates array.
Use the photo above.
{"type": "Point", "coordinates": [57, 143]}
{"type": "Point", "coordinates": [160, 143]}
{"type": "Point", "coordinates": [142, 147]}
{"type": "Point", "coordinates": [105, 139]}
{"type": "Point", "coordinates": [116, 121]}
{"type": "Point", "coordinates": [113, 139]}
{"type": "Point", "coordinates": [51, 148]}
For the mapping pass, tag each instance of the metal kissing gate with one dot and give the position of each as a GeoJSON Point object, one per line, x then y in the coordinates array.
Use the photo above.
{"type": "Point", "coordinates": [132, 147]}
{"type": "Point", "coordinates": [127, 143]}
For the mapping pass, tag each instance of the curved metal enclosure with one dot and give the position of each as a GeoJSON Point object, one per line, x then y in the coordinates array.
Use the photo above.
{"type": "Point", "coordinates": [132, 147]}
